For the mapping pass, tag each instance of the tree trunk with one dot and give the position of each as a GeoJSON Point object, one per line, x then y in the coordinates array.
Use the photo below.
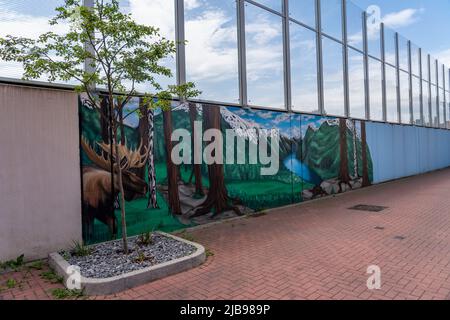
{"type": "Point", "coordinates": [344, 176]}
{"type": "Point", "coordinates": [217, 199]}
{"type": "Point", "coordinates": [365, 162]}
{"type": "Point", "coordinates": [172, 172]}
{"type": "Point", "coordinates": [109, 107]}
{"type": "Point", "coordinates": [197, 168]}
{"type": "Point", "coordinates": [122, 192]}
{"type": "Point", "coordinates": [103, 122]}
{"type": "Point", "coordinates": [122, 130]}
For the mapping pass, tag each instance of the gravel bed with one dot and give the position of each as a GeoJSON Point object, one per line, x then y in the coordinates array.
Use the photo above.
{"type": "Point", "coordinates": [107, 260]}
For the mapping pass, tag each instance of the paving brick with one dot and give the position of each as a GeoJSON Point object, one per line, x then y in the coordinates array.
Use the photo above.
{"type": "Point", "coordinates": [318, 250]}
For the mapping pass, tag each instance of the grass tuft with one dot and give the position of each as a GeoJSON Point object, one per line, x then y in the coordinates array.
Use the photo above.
{"type": "Point", "coordinates": [63, 293]}
{"type": "Point", "coordinates": [52, 277]}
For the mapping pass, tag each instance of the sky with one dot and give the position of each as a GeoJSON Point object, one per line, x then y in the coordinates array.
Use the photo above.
{"type": "Point", "coordinates": [424, 22]}
{"type": "Point", "coordinates": [211, 52]}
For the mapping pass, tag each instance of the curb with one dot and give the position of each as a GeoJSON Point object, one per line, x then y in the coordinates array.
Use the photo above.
{"type": "Point", "coordinates": [106, 286]}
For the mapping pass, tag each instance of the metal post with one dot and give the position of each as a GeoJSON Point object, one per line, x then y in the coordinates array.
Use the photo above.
{"type": "Point", "coordinates": [366, 65]}
{"type": "Point", "coordinates": [180, 42]}
{"type": "Point", "coordinates": [88, 63]}
{"type": "Point", "coordinates": [383, 64]}
{"type": "Point", "coordinates": [242, 58]}
{"type": "Point", "coordinates": [437, 92]}
{"type": "Point", "coordinates": [422, 119]}
{"type": "Point", "coordinates": [397, 62]}
{"type": "Point", "coordinates": [429, 90]}
{"type": "Point", "coordinates": [287, 57]}
{"type": "Point", "coordinates": [447, 107]}
{"type": "Point", "coordinates": [411, 108]}
{"type": "Point", "coordinates": [445, 98]}
{"type": "Point", "coordinates": [319, 58]}
{"type": "Point", "coordinates": [438, 107]}
{"type": "Point", "coordinates": [345, 59]}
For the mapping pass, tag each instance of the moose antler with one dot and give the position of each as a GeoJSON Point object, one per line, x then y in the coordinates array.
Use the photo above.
{"type": "Point", "coordinates": [128, 158]}
{"type": "Point", "coordinates": [99, 160]}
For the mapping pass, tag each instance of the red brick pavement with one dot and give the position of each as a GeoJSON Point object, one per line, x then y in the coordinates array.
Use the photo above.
{"type": "Point", "coordinates": [318, 250]}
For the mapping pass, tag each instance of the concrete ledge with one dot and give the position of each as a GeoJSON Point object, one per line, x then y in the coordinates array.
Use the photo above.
{"type": "Point", "coordinates": [129, 280]}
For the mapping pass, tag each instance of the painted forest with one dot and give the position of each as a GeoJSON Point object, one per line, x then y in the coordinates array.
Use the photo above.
{"type": "Point", "coordinates": [318, 156]}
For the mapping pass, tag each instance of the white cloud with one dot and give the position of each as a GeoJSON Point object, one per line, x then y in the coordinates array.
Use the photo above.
{"type": "Point", "coordinates": [402, 18]}
{"type": "Point", "coordinates": [211, 51]}
{"type": "Point", "coordinates": [156, 13]}
{"type": "Point", "coordinates": [190, 4]}
{"type": "Point", "coordinates": [23, 25]}
{"type": "Point", "coordinates": [265, 115]}
{"type": "Point", "coordinates": [393, 20]}
{"type": "Point", "coordinates": [444, 57]}
{"type": "Point", "coordinates": [281, 118]}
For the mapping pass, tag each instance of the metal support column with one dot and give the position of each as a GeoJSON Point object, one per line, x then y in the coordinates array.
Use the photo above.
{"type": "Point", "coordinates": [411, 98]}
{"type": "Point", "coordinates": [287, 57]}
{"type": "Point", "coordinates": [383, 64]}
{"type": "Point", "coordinates": [422, 118]}
{"type": "Point", "coordinates": [242, 60]}
{"type": "Point", "coordinates": [397, 62]}
{"type": "Point", "coordinates": [438, 109]}
{"type": "Point", "coordinates": [430, 111]}
{"type": "Point", "coordinates": [320, 74]}
{"type": "Point", "coordinates": [345, 59]}
{"type": "Point", "coordinates": [445, 98]}
{"type": "Point", "coordinates": [366, 65]}
{"type": "Point", "coordinates": [88, 63]}
{"type": "Point", "coordinates": [180, 42]}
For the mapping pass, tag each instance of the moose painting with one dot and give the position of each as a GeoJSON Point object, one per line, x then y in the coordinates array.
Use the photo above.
{"type": "Point", "coordinates": [100, 187]}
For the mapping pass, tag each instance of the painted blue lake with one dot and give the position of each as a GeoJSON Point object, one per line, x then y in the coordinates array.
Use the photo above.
{"type": "Point", "coordinates": [301, 170]}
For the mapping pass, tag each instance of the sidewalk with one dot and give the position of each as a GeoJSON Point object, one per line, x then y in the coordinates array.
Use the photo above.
{"type": "Point", "coordinates": [317, 250]}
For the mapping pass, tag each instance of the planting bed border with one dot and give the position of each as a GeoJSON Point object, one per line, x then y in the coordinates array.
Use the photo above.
{"type": "Point", "coordinates": [105, 286]}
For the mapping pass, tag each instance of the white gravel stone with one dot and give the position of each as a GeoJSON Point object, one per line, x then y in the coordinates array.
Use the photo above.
{"type": "Point", "coordinates": [107, 259]}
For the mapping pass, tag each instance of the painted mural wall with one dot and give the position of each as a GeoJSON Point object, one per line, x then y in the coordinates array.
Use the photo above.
{"type": "Point", "coordinates": [318, 156]}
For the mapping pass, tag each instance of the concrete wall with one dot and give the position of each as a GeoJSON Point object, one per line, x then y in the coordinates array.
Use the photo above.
{"type": "Point", "coordinates": [40, 206]}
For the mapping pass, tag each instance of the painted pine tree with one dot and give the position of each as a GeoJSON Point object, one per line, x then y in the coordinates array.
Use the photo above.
{"type": "Point", "coordinates": [152, 201]}
{"type": "Point", "coordinates": [355, 150]}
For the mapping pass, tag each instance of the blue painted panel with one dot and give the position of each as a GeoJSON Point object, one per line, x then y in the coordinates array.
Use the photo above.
{"type": "Point", "coordinates": [385, 146]}
{"type": "Point", "coordinates": [432, 157]}
{"type": "Point", "coordinates": [398, 152]}
{"type": "Point", "coordinates": [423, 149]}
{"type": "Point", "coordinates": [411, 156]}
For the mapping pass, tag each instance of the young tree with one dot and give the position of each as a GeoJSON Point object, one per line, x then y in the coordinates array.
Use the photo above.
{"type": "Point", "coordinates": [118, 53]}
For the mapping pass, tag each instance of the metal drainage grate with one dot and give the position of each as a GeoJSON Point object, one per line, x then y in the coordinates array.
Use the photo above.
{"type": "Point", "coordinates": [369, 208]}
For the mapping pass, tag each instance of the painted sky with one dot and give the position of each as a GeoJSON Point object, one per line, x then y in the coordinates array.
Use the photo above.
{"type": "Point", "coordinates": [293, 125]}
